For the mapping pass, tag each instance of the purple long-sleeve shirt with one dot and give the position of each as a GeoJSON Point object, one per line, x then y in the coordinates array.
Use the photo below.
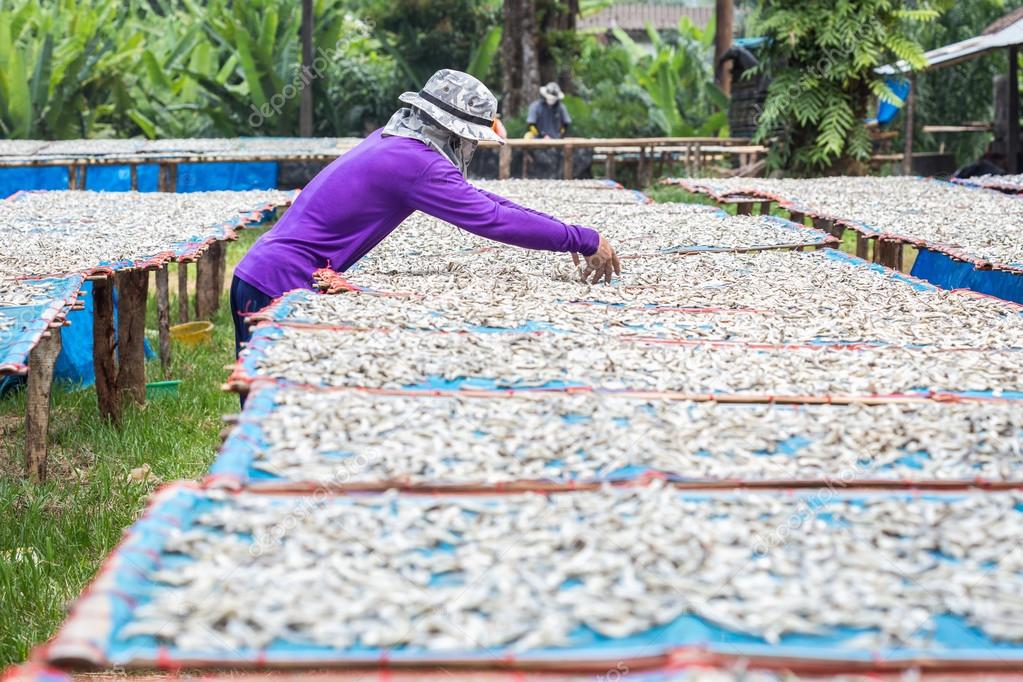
{"type": "Point", "coordinates": [356, 201]}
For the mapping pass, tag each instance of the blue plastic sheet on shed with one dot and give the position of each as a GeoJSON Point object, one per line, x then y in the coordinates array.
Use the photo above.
{"type": "Point", "coordinates": [206, 177]}
{"type": "Point", "coordinates": [118, 178]}
{"type": "Point", "coordinates": [192, 177]}
{"type": "Point", "coordinates": [32, 177]}
{"type": "Point", "coordinates": [949, 273]}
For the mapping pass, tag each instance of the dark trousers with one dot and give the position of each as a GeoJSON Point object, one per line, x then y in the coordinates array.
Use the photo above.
{"type": "Point", "coordinates": [245, 300]}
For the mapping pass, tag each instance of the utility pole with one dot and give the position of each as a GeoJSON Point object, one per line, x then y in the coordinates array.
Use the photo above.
{"type": "Point", "coordinates": [305, 106]}
{"type": "Point", "coordinates": [723, 26]}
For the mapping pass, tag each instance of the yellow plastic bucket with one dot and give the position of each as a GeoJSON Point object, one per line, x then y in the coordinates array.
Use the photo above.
{"type": "Point", "coordinates": [192, 333]}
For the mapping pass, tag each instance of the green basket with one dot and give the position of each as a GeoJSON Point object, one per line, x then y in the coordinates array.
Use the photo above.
{"type": "Point", "coordinates": [162, 389]}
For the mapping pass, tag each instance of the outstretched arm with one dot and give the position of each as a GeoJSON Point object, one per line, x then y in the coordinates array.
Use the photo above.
{"type": "Point", "coordinates": [441, 191]}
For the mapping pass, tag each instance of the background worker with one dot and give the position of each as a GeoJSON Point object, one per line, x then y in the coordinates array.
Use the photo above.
{"type": "Point", "coordinates": [547, 116]}
{"type": "Point", "coordinates": [417, 162]}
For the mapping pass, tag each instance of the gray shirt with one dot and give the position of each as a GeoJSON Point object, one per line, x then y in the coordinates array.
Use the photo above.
{"type": "Point", "coordinates": [549, 120]}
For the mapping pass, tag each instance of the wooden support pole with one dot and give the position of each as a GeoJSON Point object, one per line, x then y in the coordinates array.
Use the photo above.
{"type": "Point", "coordinates": [566, 162]}
{"type": "Point", "coordinates": [132, 289]}
{"type": "Point", "coordinates": [609, 166]}
{"type": "Point", "coordinates": [104, 347]}
{"type": "Point", "coordinates": [897, 256]}
{"type": "Point", "coordinates": [134, 177]}
{"type": "Point", "coordinates": [744, 208]}
{"type": "Point", "coordinates": [72, 177]}
{"type": "Point", "coordinates": [504, 159]}
{"type": "Point", "coordinates": [221, 273]}
{"type": "Point", "coordinates": [879, 252]}
{"type": "Point", "coordinates": [861, 246]}
{"type": "Point", "coordinates": [765, 208]}
{"type": "Point", "coordinates": [724, 14]}
{"type": "Point", "coordinates": [1012, 142]}
{"type": "Point", "coordinates": [167, 177]}
{"type": "Point", "coordinates": [205, 285]}
{"type": "Point", "coordinates": [163, 317]}
{"type": "Point", "coordinates": [640, 167]}
{"type": "Point", "coordinates": [797, 217]}
{"type": "Point", "coordinates": [37, 414]}
{"type": "Point", "coordinates": [182, 292]}
{"type": "Point", "coordinates": [907, 152]}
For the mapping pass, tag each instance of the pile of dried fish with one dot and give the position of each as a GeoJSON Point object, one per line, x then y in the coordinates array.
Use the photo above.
{"type": "Point", "coordinates": [979, 224]}
{"type": "Point", "coordinates": [354, 436]}
{"type": "Point", "coordinates": [560, 192]}
{"type": "Point", "coordinates": [91, 147]}
{"type": "Point", "coordinates": [21, 147]}
{"type": "Point", "coordinates": [770, 297]}
{"type": "Point", "coordinates": [214, 148]}
{"type": "Point", "coordinates": [395, 359]}
{"type": "Point", "coordinates": [637, 229]}
{"type": "Point", "coordinates": [62, 232]}
{"type": "Point", "coordinates": [1006, 183]}
{"type": "Point", "coordinates": [528, 571]}
{"type": "Point", "coordinates": [24, 292]}
{"type": "Point", "coordinates": [532, 187]}
{"type": "Point", "coordinates": [925, 318]}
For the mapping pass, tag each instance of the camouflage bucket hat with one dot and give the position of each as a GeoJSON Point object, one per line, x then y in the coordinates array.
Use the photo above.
{"type": "Point", "coordinates": [459, 102]}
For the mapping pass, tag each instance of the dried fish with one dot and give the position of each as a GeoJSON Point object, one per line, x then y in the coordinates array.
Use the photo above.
{"type": "Point", "coordinates": [354, 436]}
{"type": "Point", "coordinates": [63, 232]}
{"type": "Point", "coordinates": [24, 292]}
{"type": "Point", "coordinates": [395, 359]}
{"type": "Point", "coordinates": [531, 571]}
{"type": "Point", "coordinates": [981, 224]}
{"type": "Point", "coordinates": [761, 298]}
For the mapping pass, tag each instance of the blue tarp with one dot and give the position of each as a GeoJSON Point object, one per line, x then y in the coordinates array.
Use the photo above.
{"type": "Point", "coordinates": [118, 178]}
{"type": "Point", "coordinates": [178, 509]}
{"type": "Point", "coordinates": [39, 177]}
{"type": "Point", "coordinates": [192, 177]}
{"type": "Point", "coordinates": [205, 177]}
{"type": "Point", "coordinates": [74, 363]}
{"type": "Point", "coordinates": [948, 273]}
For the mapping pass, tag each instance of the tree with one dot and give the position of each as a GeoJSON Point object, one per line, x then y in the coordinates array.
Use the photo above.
{"type": "Point", "coordinates": [427, 35]}
{"type": "Point", "coordinates": [822, 55]}
{"type": "Point", "coordinates": [724, 13]}
{"type": "Point", "coordinates": [963, 92]}
{"type": "Point", "coordinates": [538, 39]}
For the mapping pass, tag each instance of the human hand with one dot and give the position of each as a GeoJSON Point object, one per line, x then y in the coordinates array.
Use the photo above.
{"type": "Point", "coordinates": [601, 265]}
{"type": "Point", "coordinates": [330, 282]}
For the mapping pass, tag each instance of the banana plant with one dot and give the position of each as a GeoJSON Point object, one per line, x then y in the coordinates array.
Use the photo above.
{"type": "Point", "coordinates": [678, 80]}
{"type": "Point", "coordinates": [61, 66]}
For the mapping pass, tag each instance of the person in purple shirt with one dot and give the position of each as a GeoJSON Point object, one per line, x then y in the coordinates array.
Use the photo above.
{"type": "Point", "coordinates": [417, 162]}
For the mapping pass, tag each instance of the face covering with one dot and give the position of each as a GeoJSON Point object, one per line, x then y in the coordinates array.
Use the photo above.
{"type": "Point", "coordinates": [410, 122]}
{"type": "Point", "coordinates": [551, 99]}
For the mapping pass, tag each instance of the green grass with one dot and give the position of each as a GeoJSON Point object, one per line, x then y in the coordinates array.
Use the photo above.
{"type": "Point", "coordinates": [54, 536]}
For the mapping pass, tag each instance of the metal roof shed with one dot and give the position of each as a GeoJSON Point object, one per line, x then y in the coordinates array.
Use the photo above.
{"type": "Point", "coordinates": [1006, 33]}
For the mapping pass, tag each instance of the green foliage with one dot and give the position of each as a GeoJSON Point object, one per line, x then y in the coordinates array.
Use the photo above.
{"type": "Point", "coordinates": [361, 85]}
{"type": "Point", "coordinates": [62, 66]}
{"type": "Point", "coordinates": [426, 35]}
{"type": "Point", "coordinates": [178, 68]}
{"type": "Point", "coordinates": [960, 93]}
{"type": "Point", "coordinates": [822, 56]}
{"type": "Point", "coordinates": [626, 90]}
